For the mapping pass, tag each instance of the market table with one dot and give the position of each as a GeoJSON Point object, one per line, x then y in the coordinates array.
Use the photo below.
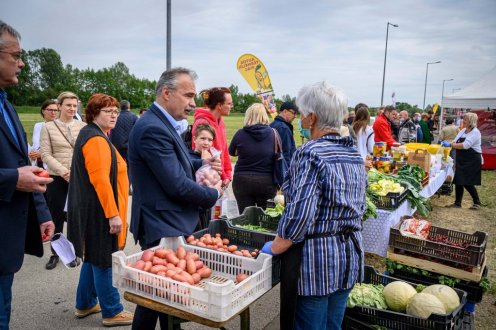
{"type": "Point", "coordinates": [162, 308]}
{"type": "Point", "coordinates": [375, 231]}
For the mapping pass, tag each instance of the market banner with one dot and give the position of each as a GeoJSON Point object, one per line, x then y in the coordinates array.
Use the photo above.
{"type": "Point", "coordinates": [257, 76]}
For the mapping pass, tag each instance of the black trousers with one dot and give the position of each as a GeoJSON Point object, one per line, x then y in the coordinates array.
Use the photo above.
{"type": "Point", "coordinates": [56, 195]}
{"type": "Point", "coordinates": [251, 190]}
{"type": "Point", "coordinates": [471, 190]}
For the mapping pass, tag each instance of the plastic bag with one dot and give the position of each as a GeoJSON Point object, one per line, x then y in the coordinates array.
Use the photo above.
{"type": "Point", "coordinates": [415, 228]}
{"type": "Point", "coordinates": [206, 175]}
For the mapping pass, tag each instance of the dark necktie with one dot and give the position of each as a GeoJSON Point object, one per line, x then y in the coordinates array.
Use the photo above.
{"type": "Point", "coordinates": [6, 116]}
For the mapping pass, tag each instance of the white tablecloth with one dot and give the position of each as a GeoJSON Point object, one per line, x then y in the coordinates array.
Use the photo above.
{"type": "Point", "coordinates": [376, 231]}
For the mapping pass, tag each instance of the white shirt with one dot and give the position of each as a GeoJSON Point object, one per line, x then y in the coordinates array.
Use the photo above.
{"type": "Point", "coordinates": [365, 147]}
{"type": "Point", "coordinates": [472, 139]}
{"type": "Point", "coordinates": [36, 135]}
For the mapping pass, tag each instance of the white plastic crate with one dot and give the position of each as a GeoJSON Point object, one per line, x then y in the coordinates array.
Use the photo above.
{"type": "Point", "coordinates": [216, 298]}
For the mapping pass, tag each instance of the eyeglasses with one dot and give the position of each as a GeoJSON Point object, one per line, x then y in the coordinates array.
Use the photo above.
{"type": "Point", "coordinates": [16, 55]}
{"type": "Point", "coordinates": [52, 110]}
{"type": "Point", "coordinates": [292, 111]}
{"type": "Point", "coordinates": [108, 112]}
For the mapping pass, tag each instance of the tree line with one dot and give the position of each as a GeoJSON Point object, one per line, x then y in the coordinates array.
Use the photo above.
{"type": "Point", "coordinates": [45, 76]}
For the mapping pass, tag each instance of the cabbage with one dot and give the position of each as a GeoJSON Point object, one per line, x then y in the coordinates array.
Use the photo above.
{"type": "Point", "coordinates": [445, 294]}
{"type": "Point", "coordinates": [368, 295]}
{"type": "Point", "coordinates": [398, 294]}
{"type": "Point", "coordinates": [424, 304]}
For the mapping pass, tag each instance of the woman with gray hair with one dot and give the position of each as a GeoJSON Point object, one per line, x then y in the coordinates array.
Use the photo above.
{"type": "Point", "coordinates": [319, 234]}
{"type": "Point", "coordinates": [468, 161]}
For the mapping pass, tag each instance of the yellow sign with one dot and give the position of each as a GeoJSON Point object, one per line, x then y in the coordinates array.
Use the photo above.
{"type": "Point", "coordinates": [255, 73]}
{"type": "Point", "coordinates": [434, 108]}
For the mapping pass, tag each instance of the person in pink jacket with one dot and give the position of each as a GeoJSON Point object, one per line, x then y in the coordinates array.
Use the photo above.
{"type": "Point", "coordinates": [218, 103]}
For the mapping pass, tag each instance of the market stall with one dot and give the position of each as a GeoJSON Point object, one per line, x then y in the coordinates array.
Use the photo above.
{"type": "Point", "coordinates": [376, 230]}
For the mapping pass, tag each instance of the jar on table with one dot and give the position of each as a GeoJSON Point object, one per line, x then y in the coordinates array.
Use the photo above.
{"type": "Point", "coordinates": [379, 149]}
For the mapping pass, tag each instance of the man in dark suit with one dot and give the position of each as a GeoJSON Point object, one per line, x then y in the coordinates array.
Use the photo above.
{"type": "Point", "coordinates": [24, 216]}
{"type": "Point", "coordinates": [166, 198]}
{"type": "Point", "coordinates": [119, 136]}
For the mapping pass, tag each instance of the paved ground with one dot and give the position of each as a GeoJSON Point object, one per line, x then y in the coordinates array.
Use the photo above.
{"type": "Point", "coordinates": [44, 299]}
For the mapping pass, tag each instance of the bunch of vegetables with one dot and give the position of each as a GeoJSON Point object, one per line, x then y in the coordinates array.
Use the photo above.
{"type": "Point", "coordinates": [370, 210]}
{"type": "Point", "coordinates": [275, 212]}
{"type": "Point", "coordinates": [220, 244]}
{"type": "Point", "coordinates": [402, 297]}
{"type": "Point", "coordinates": [414, 174]}
{"type": "Point", "coordinates": [413, 194]}
{"type": "Point", "coordinates": [254, 228]}
{"type": "Point", "coordinates": [368, 295]}
{"type": "Point", "coordinates": [385, 186]}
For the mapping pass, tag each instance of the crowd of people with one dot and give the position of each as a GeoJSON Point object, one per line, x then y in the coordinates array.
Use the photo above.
{"type": "Point", "coordinates": [93, 163]}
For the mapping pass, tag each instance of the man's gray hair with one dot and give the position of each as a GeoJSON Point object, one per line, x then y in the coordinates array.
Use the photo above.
{"type": "Point", "coordinates": [329, 103]}
{"type": "Point", "coordinates": [169, 78]}
{"type": "Point", "coordinates": [125, 105]}
{"type": "Point", "coordinates": [5, 28]}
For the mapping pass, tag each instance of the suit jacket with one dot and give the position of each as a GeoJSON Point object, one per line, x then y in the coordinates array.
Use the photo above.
{"type": "Point", "coordinates": [166, 197]}
{"type": "Point", "coordinates": [119, 135]}
{"type": "Point", "coordinates": [21, 213]}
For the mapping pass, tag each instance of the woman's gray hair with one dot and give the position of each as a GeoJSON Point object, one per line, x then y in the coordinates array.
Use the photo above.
{"type": "Point", "coordinates": [329, 103]}
{"type": "Point", "coordinates": [7, 29]}
{"type": "Point", "coordinates": [472, 119]}
{"type": "Point", "coordinates": [169, 78]}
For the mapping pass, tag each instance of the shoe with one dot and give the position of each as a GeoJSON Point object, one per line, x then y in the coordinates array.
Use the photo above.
{"type": "Point", "coordinates": [52, 263]}
{"type": "Point", "coordinates": [454, 205]}
{"type": "Point", "coordinates": [80, 313]}
{"type": "Point", "coordinates": [475, 207]}
{"type": "Point", "coordinates": [123, 318]}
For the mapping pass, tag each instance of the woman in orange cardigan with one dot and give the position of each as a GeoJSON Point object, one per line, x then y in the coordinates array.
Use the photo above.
{"type": "Point", "coordinates": [97, 209]}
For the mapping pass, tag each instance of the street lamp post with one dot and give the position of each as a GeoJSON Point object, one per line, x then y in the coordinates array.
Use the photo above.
{"type": "Point", "coordinates": [169, 34]}
{"type": "Point", "coordinates": [441, 113]}
{"type": "Point", "coordinates": [385, 55]}
{"type": "Point", "coordinates": [425, 86]}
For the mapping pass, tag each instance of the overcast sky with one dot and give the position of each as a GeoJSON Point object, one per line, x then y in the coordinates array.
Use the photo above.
{"type": "Point", "coordinates": [300, 42]}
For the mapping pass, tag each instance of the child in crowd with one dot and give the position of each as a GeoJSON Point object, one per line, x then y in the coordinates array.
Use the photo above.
{"type": "Point", "coordinates": [204, 137]}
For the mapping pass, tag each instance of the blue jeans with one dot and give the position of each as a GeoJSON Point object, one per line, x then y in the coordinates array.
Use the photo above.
{"type": "Point", "coordinates": [96, 282]}
{"type": "Point", "coordinates": [321, 312]}
{"type": "Point", "coordinates": [5, 300]}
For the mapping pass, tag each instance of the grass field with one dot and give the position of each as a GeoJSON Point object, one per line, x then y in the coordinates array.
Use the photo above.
{"type": "Point", "coordinates": [31, 115]}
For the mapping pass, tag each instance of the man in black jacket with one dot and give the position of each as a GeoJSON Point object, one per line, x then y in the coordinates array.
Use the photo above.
{"type": "Point", "coordinates": [282, 123]}
{"type": "Point", "coordinates": [119, 136]}
{"type": "Point", "coordinates": [408, 130]}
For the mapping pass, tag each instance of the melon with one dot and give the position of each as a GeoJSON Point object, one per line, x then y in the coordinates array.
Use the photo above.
{"type": "Point", "coordinates": [445, 294]}
{"type": "Point", "coordinates": [424, 304]}
{"type": "Point", "coordinates": [398, 294]}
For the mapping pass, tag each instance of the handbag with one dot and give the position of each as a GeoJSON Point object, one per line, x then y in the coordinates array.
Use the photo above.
{"type": "Point", "coordinates": [280, 166]}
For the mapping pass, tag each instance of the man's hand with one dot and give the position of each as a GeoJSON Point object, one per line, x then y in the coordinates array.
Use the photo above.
{"type": "Point", "coordinates": [47, 230]}
{"type": "Point", "coordinates": [115, 224]}
{"type": "Point", "coordinates": [29, 182]}
{"type": "Point", "coordinates": [214, 162]}
{"type": "Point", "coordinates": [219, 188]}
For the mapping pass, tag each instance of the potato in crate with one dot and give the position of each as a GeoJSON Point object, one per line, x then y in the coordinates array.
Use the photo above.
{"type": "Point", "coordinates": [217, 297]}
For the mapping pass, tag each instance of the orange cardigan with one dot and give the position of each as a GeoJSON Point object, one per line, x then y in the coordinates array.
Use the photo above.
{"type": "Point", "coordinates": [97, 159]}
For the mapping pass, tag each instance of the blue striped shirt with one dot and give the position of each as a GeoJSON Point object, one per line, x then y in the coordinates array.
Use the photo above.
{"type": "Point", "coordinates": [324, 191]}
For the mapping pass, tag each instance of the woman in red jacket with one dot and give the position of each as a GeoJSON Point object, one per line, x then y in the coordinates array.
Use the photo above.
{"type": "Point", "coordinates": [218, 103]}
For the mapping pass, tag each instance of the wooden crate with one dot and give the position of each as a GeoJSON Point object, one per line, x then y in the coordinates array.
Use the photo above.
{"type": "Point", "coordinates": [435, 267]}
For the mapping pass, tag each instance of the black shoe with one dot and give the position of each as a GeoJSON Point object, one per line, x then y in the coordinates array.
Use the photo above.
{"type": "Point", "coordinates": [52, 263]}
{"type": "Point", "coordinates": [454, 205]}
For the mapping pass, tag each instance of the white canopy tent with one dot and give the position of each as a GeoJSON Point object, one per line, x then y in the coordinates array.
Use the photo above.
{"type": "Point", "coordinates": [479, 95]}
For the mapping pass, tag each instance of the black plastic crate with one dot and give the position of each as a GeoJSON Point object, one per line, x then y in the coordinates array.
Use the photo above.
{"type": "Point", "coordinates": [400, 321]}
{"type": "Point", "coordinates": [473, 289]}
{"type": "Point", "coordinates": [255, 216]}
{"type": "Point", "coordinates": [389, 202]}
{"type": "Point", "coordinates": [446, 189]}
{"type": "Point", "coordinates": [350, 323]}
{"type": "Point", "coordinates": [472, 255]}
{"type": "Point", "coordinates": [244, 239]}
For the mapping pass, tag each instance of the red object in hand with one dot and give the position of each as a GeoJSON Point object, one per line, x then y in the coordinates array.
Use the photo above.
{"type": "Point", "coordinates": [43, 174]}
{"type": "Point", "coordinates": [43, 237]}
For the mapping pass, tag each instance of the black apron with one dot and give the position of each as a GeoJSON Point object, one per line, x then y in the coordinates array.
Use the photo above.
{"type": "Point", "coordinates": [468, 166]}
{"type": "Point", "coordinates": [290, 274]}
